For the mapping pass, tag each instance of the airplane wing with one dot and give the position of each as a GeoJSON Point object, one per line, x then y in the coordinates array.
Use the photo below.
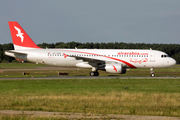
{"type": "Point", "coordinates": [99, 61]}
{"type": "Point", "coordinates": [95, 62]}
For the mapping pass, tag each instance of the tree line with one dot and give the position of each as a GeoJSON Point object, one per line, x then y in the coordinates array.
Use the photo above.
{"type": "Point", "coordinates": [172, 50]}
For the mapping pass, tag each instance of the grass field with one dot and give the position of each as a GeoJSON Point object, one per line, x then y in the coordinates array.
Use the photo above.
{"type": "Point", "coordinates": [112, 96]}
{"type": "Point", "coordinates": [158, 97]}
{"type": "Point", "coordinates": [172, 71]}
{"type": "Point", "coordinates": [20, 65]}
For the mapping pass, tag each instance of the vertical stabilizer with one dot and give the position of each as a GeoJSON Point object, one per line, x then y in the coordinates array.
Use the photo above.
{"type": "Point", "coordinates": [20, 38]}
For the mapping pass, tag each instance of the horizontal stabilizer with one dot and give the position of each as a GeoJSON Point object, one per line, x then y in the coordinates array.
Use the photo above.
{"type": "Point", "coordinates": [16, 52]}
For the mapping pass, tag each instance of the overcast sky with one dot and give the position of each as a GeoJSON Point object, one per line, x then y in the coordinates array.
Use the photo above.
{"type": "Point", "coordinates": [129, 21]}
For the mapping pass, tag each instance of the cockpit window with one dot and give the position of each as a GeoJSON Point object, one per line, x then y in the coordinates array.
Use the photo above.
{"type": "Point", "coordinates": [164, 56]}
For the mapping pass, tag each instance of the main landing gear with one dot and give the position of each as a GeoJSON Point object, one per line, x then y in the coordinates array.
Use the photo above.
{"type": "Point", "coordinates": [92, 73]}
{"type": "Point", "coordinates": [152, 72]}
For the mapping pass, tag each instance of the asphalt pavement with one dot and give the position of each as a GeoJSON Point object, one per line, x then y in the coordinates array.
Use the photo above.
{"type": "Point", "coordinates": [86, 77]}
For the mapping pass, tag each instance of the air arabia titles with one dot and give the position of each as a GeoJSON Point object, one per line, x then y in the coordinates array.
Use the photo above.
{"type": "Point", "coordinates": [131, 53]}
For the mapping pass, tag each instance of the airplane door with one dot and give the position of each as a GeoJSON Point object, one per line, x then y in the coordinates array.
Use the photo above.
{"type": "Point", "coordinates": [152, 56]}
{"type": "Point", "coordinates": [39, 58]}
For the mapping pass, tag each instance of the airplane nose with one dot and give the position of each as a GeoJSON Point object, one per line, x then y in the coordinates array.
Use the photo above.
{"type": "Point", "coordinates": [173, 61]}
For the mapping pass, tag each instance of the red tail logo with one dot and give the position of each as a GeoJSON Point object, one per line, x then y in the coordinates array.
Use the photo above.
{"type": "Point", "coordinates": [20, 38]}
{"type": "Point", "coordinates": [19, 33]}
{"type": "Point", "coordinates": [114, 68]}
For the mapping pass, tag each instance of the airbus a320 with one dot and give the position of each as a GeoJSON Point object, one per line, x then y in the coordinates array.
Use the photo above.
{"type": "Point", "coordinates": [109, 60]}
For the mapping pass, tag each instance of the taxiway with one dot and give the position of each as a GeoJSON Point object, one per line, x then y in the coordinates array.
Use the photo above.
{"type": "Point", "coordinates": [85, 77]}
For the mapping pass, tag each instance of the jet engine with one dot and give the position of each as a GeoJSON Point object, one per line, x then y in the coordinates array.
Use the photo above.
{"type": "Point", "coordinates": [115, 68]}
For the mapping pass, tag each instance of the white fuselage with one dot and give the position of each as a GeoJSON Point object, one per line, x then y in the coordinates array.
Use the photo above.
{"type": "Point", "coordinates": [129, 58]}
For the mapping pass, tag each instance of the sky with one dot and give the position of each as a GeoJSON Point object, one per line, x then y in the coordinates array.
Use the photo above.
{"type": "Point", "coordinates": [128, 21]}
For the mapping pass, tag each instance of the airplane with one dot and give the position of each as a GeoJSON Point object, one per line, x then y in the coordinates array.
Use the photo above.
{"type": "Point", "coordinates": [109, 60]}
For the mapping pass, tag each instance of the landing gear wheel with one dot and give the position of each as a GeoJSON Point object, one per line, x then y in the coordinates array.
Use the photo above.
{"type": "Point", "coordinates": [91, 73]}
{"type": "Point", "coordinates": [94, 73]}
{"type": "Point", "coordinates": [152, 75]}
{"type": "Point", "coordinates": [152, 72]}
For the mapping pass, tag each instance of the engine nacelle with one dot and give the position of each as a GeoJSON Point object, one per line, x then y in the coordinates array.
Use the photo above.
{"type": "Point", "coordinates": [116, 68]}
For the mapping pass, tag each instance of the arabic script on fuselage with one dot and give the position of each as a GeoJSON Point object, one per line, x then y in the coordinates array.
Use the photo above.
{"type": "Point", "coordinates": [135, 60]}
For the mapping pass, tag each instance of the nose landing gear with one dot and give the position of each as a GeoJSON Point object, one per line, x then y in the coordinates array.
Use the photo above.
{"type": "Point", "coordinates": [152, 72]}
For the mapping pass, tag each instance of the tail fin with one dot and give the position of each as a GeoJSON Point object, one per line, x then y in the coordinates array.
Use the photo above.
{"type": "Point", "coordinates": [20, 38]}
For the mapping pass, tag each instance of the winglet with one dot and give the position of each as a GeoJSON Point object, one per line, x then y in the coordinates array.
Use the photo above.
{"type": "Point", "coordinates": [20, 38]}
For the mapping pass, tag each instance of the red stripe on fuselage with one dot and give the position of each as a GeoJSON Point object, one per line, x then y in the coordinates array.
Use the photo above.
{"type": "Point", "coordinates": [129, 64]}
